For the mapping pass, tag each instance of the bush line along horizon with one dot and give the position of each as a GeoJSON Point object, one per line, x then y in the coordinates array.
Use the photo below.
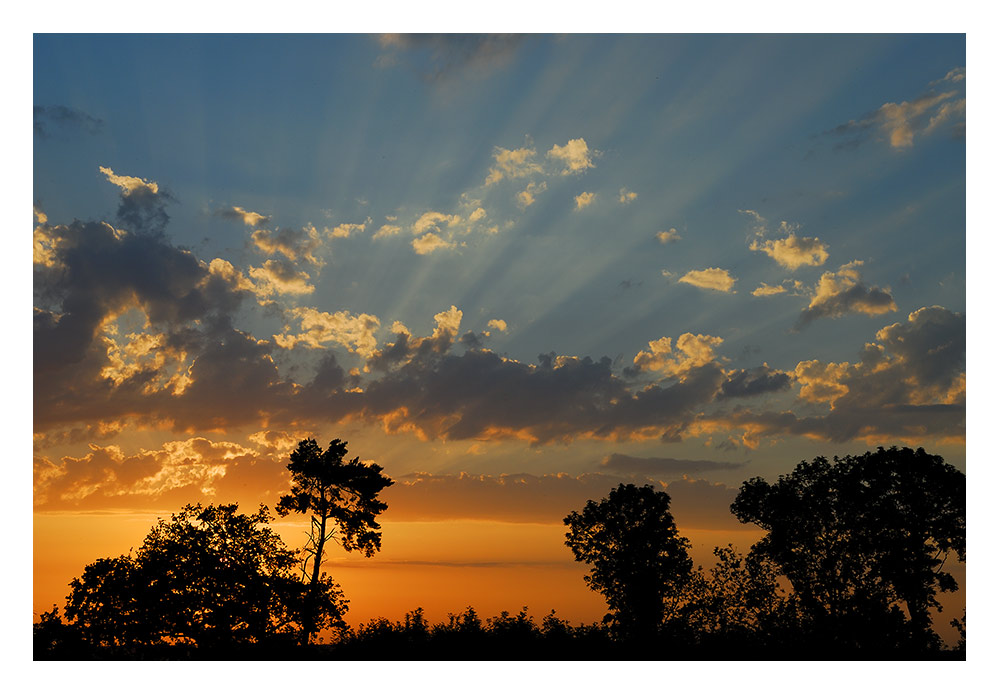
{"type": "Point", "coordinates": [851, 562]}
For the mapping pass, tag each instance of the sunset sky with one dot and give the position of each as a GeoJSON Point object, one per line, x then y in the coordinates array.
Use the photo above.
{"type": "Point", "coordinates": [513, 271]}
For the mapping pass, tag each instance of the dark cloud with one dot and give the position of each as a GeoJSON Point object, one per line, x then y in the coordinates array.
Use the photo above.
{"type": "Point", "coordinates": [753, 382]}
{"type": "Point", "coordinates": [656, 466]}
{"type": "Point", "coordinates": [481, 395]}
{"type": "Point", "coordinates": [64, 118]}
{"type": "Point", "coordinates": [910, 386]}
{"type": "Point", "coordinates": [96, 272]}
{"type": "Point", "coordinates": [855, 297]}
{"type": "Point", "coordinates": [439, 57]}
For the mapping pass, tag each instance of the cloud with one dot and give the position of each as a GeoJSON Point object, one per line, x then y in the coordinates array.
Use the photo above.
{"type": "Point", "coordinates": [908, 387]}
{"type": "Point", "coordinates": [668, 236]}
{"type": "Point", "coordinates": [743, 383]}
{"type": "Point", "coordinates": [130, 185]}
{"type": "Point", "coordinates": [319, 329]}
{"type": "Point", "coordinates": [584, 199]}
{"type": "Point", "coordinates": [842, 292]}
{"type": "Point", "coordinates": [178, 472]}
{"type": "Point", "coordinates": [432, 221]}
{"type": "Point", "coordinates": [250, 219]}
{"type": "Point", "coordinates": [655, 466]}
{"type": "Point", "coordinates": [143, 205]}
{"type": "Point", "coordinates": [280, 277]}
{"type": "Point", "coordinates": [387, 230]}
{"type": "Point", "coordinates": [498, 325]}
{"type": "Point", "coordinates": [527, 197]}
{"type": "Point", "coordinates": [512, 164]}
{"type": "Point", "coordinates": [766, 290]}
{"type": "Point", "coordinates": [574, 155]}
{"type": "Point", "coordinates": [64, 118]}
{"type": "Point", "coordinates": [793, 251]}
{"type": "Point", "coordinates": [406, 348]}
{"type": "Point", "coordinates": [342, 231]}
{"type": "Point", "coordinates": [901, 122]}
{"type": "Point", "coordinates": [693, 351]}
{"type": "Point", "coordinates": [790, 251]}
{"type": "Point", "coordinates": [293, 244]}
{"type": "Point", "coordinates": [626, 196]}
{"type": "Point", "coordinates": [709, 279]}
{"type": "Point", "coordinates": [444, 57]}
{"type": "Point", "coordinates": [429, 243]}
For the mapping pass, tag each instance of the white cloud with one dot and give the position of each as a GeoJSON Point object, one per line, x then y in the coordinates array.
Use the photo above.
{"type": "Point", "coordinates": [527, 197]}
{"type": "Point", "coordinates": [710, 279]}
{"type": "Point", "coordinates": [319, 328]}
{"type": "Point", "coordinates": [432, 221]}
{"type": "Point", "coordinates": [512, 164]}
{"type": "Point", "coordinates": [346, 229]}
{"type": "Point", "coordinates": [692, 351]}
{"type": "Point", "coordinates": [575, 156]}
{"type": "Point", "coordinates": [668, 236]}
{"type": "Point", "coordinates": [276, 277]}
{"type": "Point", "coordinates": [793, 251]}
{"type": "Point", "coordinates": [387, 230]}
{"type": "Point", "coordinates": [431, 242]}
{"type": "Point", "coordinates": [129, 184]}
{"type": "Point", "coordinates": [766, 290]}
{"type": "Point", "coordinates": [247, 217]}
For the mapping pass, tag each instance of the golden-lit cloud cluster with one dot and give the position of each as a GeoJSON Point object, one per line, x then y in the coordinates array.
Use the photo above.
{"type": "Point", "coordinates": [120, 348]}
{"type": "Point", "coordinates": [280, 277]}
{"type": "Point", "coordinates": [901, 122]}
{"type": "Point", "coordinates": [842, 292]}
{"type": "Point", "coordinates": [692, 351]}
{"type": "Point", "coordinates": [107, 478]}
{"type": "Point", "coordinates": [715, 279]}
{"type": "Point", "coordinates": [667, 236]}
{"type": "Point", "coordinates": [321, 329]}
{"type": "Point", "coordinates": [793, 251]}
{"type": "Point", "coordinates": [790, 251]}
{"type": "Point", "coordinates": [130, 185]}
{"type": "Point", "coordinates": [575, 156]}
{"type": "Point", "coordinates": [584, 199]}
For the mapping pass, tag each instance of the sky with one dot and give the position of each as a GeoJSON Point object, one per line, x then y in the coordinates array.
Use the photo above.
{"type": "Point", "coordinates": [514, 271]}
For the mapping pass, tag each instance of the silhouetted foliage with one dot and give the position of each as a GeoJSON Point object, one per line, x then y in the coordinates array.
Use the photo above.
{"type": "Point", "coordinates": [861, 537]}
{"type": "Point", "coordinates": [209, 576]}
{"type": "Point", "coordinates": [639, 562]}
{"type": "Point", "coordinates": [342, 498]}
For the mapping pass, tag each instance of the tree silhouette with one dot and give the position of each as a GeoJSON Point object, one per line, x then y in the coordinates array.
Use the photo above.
{"type": "Point", "coordinates": [209, 576]}
{"type": "Point", "coordinates": [638, 560]}
{"type": "Point", "coordinates": [862, 536]}
{"type": "Point", "coordinates": [343, 501]}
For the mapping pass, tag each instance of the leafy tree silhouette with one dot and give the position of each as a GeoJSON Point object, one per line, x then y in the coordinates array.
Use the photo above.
{"type": "Point", "coordinates": [862, 536]}
{"type": "Point", "coordinates": [209, 576]}
{"type": "Point", "coordinates": [343, 501]}
{"type": "Point", "coordinates": [638, 559]}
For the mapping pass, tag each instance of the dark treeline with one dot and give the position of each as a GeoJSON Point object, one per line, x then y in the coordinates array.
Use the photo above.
{"type": "Point", "coordinates": [850, 567]}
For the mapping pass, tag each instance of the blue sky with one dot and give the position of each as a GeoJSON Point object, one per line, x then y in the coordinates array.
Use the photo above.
{"type": "Point", "coordinates": [518, 208]}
